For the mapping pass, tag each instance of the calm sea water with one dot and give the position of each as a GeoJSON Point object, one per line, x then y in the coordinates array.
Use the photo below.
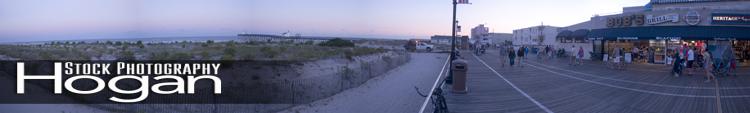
{"type": "Point", "coordinates": [146, 40]}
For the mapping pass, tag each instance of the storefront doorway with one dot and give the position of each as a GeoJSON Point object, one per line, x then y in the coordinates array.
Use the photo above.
{"type": "Point", "coordinates": [742, 52]}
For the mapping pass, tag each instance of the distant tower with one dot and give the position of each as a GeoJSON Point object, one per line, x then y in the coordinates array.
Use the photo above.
{"type": "Point", "coordinates": [541, 34]}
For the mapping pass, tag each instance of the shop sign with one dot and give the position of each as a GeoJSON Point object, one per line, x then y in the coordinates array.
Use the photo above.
{"type": "Point", "coordinates": [668, 38]}
{"type": "Point", "coordinates": [724, 39]}
{"type": "Point", "coordinates": [596, 38]}
{"type": "Point", "coordinates": [730, 19]}
{"type": "Point", "coordinates": [627, 38]}
{"type": "Point", "coordinates": [651, 19]}
{"type": "Point", "coordinates": [625, 21]}
{"type": "Point", "coordinates": [692, 18]}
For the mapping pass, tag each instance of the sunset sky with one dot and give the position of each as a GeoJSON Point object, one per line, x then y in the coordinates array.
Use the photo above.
{"type": "Point", "coordinates": [33, 20]}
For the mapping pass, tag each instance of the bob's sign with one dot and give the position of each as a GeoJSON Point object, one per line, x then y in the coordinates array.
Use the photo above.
{"type": "Point", "coordinates": [626, 21]}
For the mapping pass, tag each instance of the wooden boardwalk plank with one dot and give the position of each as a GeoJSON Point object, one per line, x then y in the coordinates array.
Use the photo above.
{"type": "Point", "coordinates": [594, 88]}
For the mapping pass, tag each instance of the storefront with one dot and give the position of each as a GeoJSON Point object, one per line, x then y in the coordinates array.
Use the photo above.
{"type": "Point", "coordinates": [654, 32]}
{"type": "Point", "coordinates": [655, 44]}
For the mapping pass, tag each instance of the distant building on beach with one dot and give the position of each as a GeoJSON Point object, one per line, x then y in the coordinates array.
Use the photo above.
{"type": "Point", "coordinates": [478, 32]}
{"type": "Point", "coordinates": [499, 38]}
{"type": "Point", "coordinates": [481, 34]}
{"type": "Point", "coordinates": [542, 35]}
{"type": "Point", "coordinates": [277, 38]}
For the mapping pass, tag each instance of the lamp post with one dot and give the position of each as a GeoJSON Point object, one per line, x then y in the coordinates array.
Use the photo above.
{"type": "Point", "coordinates": [453, 54]}
{"type": "Point", "coordinates": [453, 32]}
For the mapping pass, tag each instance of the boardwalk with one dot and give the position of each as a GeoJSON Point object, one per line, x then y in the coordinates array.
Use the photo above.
{"type": "Point", "coordinates": [390, 93]}
{"type": "Point", "coordinates": [555, 86]}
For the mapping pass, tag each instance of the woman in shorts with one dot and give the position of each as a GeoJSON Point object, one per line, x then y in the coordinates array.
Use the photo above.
{"type": "Point", "coordinates": [708, 66]}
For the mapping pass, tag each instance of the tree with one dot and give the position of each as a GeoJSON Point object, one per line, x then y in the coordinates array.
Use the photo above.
{"type": "Point", "coordinates": [337, 42]}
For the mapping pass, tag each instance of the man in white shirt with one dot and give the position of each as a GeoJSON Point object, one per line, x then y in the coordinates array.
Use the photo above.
{"type": "Point", "coordinates": [690, 59]}
{"type": "Point", "coordinates": [573, 55]}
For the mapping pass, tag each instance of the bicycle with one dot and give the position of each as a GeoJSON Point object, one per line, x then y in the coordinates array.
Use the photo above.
{"type": "Point", "coordinates": [437, 99]}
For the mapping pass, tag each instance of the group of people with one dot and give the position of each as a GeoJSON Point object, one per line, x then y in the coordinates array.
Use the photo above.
{"type": "Point", "coordinates": [546, 51]}
{"type": "Point", "coordinates": [689, 59]}
{"type": "Point", "coordinates": [479, 49]}
{"type": "Point", "coordinates": [641, 54]}
{"type": "Point", "coordinates": [693, 59]}
{"type": "Point", "coordinates": [515, 55]}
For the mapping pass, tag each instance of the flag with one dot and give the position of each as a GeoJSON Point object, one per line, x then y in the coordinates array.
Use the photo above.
{"type": "Point", "coordinates": [462, 2]}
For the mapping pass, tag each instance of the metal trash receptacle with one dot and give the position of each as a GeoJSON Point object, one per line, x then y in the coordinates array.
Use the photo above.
{"type": "Point", "coordinates": [459, 69]}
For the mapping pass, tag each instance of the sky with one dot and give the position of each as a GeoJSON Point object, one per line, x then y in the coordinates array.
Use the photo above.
{"type": "Point", "coordinates": [37, 20]}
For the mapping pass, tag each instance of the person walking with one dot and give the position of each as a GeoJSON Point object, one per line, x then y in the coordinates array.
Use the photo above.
{"type": "Point", "coordinates": [580, 55]}
{"type": "Point", "coordinates": [539, 52]}
{"type": "Point", "coordinates": [708, 66]}
{"type": "Point", "coordinates": [732, 66]}
{"type": "Point", "coordinates": [572, 55]}
{"type": "Point", "coordinates": [548, 52]}
{"type": "Point", "coordinates": [525, 51]}
{"type": "Point", "coordinates": [635, 53]}
{"type": "Point", "coordinates": [501, 52]}
{"type": "Point", "coordinates": [521, 55]}
{"type": "Point", "coordinates": [617, 54]}
{"type": "Point", "coordinates": [511, 56]}
{"type": "Point", "coordinates": [676, 66]}
{"type": "Point", "coordinates": [476, 49]}
{"type": "Point", "coordinates": [690, 60]}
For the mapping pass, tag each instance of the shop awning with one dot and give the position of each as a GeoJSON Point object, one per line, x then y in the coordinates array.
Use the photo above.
{"type": "Point", "coordinates": [565, 34]}
{"type": "Point", "coordinates": [580, 34]}
{"type": "Point", "coordinates": [673, 32]}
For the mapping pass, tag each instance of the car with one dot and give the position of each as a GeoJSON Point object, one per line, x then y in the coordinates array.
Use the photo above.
{"type": "Point", "coordinates": [424, 46]}
{"type": "Point", "coordinates": [419, 45]}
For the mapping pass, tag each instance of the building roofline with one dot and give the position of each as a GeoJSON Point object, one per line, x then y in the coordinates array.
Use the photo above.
{"type": "Point", "coordinates": [686, 1]}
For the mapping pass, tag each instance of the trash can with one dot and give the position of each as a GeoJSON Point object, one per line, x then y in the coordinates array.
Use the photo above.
{"type": "Point", "coordinates": [459, 68]}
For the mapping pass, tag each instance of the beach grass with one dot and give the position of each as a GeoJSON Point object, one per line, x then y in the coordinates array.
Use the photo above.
{"type": "Point", "coordinates": [184, 50]}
